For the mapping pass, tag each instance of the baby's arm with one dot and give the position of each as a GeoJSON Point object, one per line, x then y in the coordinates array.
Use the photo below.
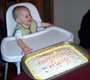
{"type": "Point", "coordinates": [43, 24]}
{"type": "Point", "coordinates": [25, 49]}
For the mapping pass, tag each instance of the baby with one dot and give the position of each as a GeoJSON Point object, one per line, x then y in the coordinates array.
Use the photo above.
{"type": "Point", "coordinates": [25, 25]}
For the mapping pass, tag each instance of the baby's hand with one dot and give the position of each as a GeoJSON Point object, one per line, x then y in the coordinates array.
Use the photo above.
{"type": "Point", "coordinates": [49, 25]}
{"type": "Point", "coordinates": [26, 50]}
{"type": "Point", "coordinates": [43, 24]}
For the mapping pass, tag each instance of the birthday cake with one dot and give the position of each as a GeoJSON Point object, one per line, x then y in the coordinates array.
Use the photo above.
{"type": "Point", "coordinates": [54, 61]}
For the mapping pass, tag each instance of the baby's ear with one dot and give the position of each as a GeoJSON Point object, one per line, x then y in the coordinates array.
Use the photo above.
{"type": "Point", "coordinates": [18, 20]}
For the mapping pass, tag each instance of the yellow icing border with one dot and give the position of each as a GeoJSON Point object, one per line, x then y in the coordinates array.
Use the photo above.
{"type": "Point", "coordinates": [26, 61]}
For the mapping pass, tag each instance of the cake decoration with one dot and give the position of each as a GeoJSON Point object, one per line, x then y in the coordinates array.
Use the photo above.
{"type": "Point", "coordinates": [54, 61]}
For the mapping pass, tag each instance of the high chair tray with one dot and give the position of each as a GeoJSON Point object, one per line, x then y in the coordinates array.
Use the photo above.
{"type": "Point", "coordinates": [43, 59]}
{"type": "Point", "coordinates": [49, 36]}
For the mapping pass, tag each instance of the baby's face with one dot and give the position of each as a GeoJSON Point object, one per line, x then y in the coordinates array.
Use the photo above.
{"type": "Point", "coordinates": [25, 16]}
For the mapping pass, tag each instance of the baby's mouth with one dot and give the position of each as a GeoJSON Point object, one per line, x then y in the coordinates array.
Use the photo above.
{"type": "Point", "coordinates": [29, 20]}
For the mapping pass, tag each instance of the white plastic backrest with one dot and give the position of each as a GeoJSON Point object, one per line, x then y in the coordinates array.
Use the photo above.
{"type": "Point", "coordinates": [10, 22]}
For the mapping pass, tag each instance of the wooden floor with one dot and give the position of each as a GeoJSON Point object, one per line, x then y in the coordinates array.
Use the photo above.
{"type": "Point", "coordinates": [11, 72]}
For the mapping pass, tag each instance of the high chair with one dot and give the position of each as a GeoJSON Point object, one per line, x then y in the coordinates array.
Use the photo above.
{"type": "Point", "coordinates": [11, 52]}
{"type": "Point", "coordinates": [10, 25]}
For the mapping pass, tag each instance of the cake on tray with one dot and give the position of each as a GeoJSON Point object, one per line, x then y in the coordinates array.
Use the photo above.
{"type": "Point", "coordinates": [54, 61]}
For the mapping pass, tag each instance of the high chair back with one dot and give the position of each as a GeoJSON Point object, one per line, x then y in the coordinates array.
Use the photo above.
{"type": "Point", "coordinates": [11, 23]}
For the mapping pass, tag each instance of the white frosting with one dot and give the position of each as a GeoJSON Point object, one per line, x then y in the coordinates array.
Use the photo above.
{"type": "Point", "coordinates": [55, 62]}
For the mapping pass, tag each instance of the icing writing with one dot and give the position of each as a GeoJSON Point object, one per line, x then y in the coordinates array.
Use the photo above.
{"type": "Point", "coordinates": [56, 58]}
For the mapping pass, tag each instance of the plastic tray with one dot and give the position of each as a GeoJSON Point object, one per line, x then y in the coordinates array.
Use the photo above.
{"type": "Point", "coordinates": [11, 52]}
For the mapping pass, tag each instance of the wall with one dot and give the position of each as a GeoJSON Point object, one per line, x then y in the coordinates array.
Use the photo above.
{"type": "Point", "coordinates": [1, 14]}
{"type": "Point", "coordinates": [68, 14]}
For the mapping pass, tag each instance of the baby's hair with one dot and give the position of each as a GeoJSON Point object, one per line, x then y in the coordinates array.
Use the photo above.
{"type": "Point", "coordinates": [16, 10]}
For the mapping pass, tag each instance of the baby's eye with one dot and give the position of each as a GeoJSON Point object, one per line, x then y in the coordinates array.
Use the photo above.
{"type": "Point", "coordinates": [26, 16]}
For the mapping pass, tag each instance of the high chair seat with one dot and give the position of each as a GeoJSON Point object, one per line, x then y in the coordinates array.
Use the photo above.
{"type": "Point", "coordinates": [11, 52]}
